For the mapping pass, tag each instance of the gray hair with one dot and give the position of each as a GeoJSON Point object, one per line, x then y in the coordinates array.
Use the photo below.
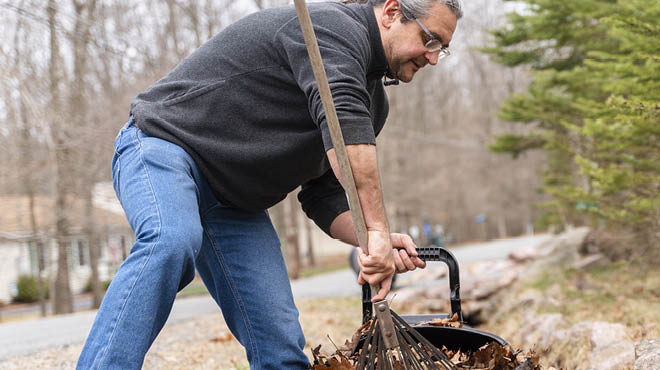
{"type": "Point", "coordinates": [417, 8]}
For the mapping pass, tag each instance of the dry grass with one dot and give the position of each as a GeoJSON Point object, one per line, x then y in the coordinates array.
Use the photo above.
{"type": "Point", "coordinates": [205, 343]}
{"type": "Point", "coordinates": [619, 292]}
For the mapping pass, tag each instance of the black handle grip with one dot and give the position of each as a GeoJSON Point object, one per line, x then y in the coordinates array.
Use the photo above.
{"type": "Point", "coordinates": [427, 254]}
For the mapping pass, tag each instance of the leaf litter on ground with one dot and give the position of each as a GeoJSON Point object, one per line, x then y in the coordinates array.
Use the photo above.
{"type": "Point", "coordinates": [491, 356]}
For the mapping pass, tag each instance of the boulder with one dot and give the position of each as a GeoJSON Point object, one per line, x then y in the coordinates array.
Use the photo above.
{"type": "Point", "coordinates": [486, 286]}
{"type": "Point", "coordinates": [572, 239]}
{"type": "Point", "coordinates": [438, 291]}
{"type": "Point", "coordinates": [604, 334]}
{"type": "Point", "coordinates": [539, 331]}
{"type": "Point", "coordinates": [559, 251]}
{"type": "Point", "coordinates": [611, 349]}
{"type": "Point", "coordinates": [488, 267]}
{"type": "Point", "coordinates": [590, 260]}
{"type": "Point", "coordinates": [524, 254]}
{"type": "Point", "coordinates": [430, 273]}
{"type": "Point", "coordinates": [615, 356]}
{"type": "Point", "coordinates": [407, 294]}
{"type": "Point", "coordinates": [647, 355]}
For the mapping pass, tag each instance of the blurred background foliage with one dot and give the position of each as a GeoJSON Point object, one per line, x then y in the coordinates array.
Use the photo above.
{"type": "Point", "coordinates": [594, 103]}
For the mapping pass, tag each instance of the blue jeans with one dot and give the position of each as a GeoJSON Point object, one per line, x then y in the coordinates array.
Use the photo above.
{"type": "Point", "coordinates": [179, 227]}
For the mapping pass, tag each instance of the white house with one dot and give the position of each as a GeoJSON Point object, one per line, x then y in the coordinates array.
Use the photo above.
{"type": "Point", "coordinates": [18, 242]}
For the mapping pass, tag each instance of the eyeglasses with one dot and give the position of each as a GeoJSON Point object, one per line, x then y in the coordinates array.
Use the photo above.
{"type": "Point", "coordinates": [433, 45]}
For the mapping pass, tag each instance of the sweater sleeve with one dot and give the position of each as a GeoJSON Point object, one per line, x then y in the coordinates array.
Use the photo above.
{"type": "Point", "coordinates": [323, 199]}
{"type": "Point", "coordinates": [345, 50]}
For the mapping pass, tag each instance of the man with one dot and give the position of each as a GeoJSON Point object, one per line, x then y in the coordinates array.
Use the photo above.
{"type": "Point", "coordinates": [230, 132]}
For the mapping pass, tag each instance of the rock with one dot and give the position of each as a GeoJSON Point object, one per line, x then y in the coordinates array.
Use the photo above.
{"type": "Point", "coordinates": [615, 356]}
{"type": "Point", "coordinates": [431, 272]}
{"type": "Point", "coordinates": [559, 251]}
{"type": "Point", "coordinates": [474, 309]}
{"type": "Point", "coordinates": [570, 239]}
{"type": "Point", "coordinates": [440, 292]}
{"type": "Point", "coordinates": [489, 285]}
{"type": "Point", "coordinates": [647, 346]}
{"type": "Point", "coordinates": [524, 254]}
{"type": "Point", "coordinates": [647, 355]}
{"type": "Point", "coordinates": [579, 330]}
{"type": "Point", "coordinates": [610, 347]}
{"type": "Point", "coordinates": [604, 334]}
{"type": "Point", "coordinates": [589, 261]}
{"type": "Point", "coordinates": [489, 267]}
{"type": "Point", "coordinates": [649, 362]}
{"type": "Point", "coordinates": [539, 330]}
{"type": "Point", "coordinates": [529, 297]}
{"type": "Point", "coordinates": [407, 294]}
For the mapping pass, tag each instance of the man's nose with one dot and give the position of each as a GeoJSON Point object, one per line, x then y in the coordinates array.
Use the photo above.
{"type": "Point", "coordinates": [432, 57]}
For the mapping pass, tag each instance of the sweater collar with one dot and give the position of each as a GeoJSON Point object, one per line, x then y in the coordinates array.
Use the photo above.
{"type": "Point", "coordinates": [378, 63]}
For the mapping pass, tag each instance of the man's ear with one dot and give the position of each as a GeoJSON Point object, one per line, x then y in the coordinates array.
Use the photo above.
{"type": "Point", "coordinates": [390, 12]}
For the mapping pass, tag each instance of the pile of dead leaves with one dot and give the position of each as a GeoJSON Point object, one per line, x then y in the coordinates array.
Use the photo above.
{"type": "Point", "coordinates": [489, 357]}
{"type": "Point", "coordinates": [492, 356]}
{"type": "Point", "coordinates": [335, 362]}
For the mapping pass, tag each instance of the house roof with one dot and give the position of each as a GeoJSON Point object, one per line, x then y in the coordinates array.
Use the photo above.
{"type": "Point", "coordinates": [15, 215]}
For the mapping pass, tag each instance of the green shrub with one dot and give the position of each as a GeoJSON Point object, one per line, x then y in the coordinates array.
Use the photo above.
{"type": "Point", "coordinates": [27, 289]}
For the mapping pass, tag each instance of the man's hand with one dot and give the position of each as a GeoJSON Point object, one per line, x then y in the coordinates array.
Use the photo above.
{"type": "Point", "coordinates": [405, 253]}
{"type": "Point", "coordinates": [377, 267]}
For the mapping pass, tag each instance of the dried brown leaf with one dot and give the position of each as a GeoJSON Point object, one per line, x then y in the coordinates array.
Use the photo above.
{"type": "Point", "coordinates": [339, 364]}
{"type": "Point", "coordinates": [449, 321]}
{"type": "Point", "coordinates": [349, 346]}
{"type": "Point", "coordinates": [223, 338]}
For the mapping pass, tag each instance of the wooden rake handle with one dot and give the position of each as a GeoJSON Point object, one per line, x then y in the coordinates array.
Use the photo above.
{"type": "Point", "coordinates": [333, 124]}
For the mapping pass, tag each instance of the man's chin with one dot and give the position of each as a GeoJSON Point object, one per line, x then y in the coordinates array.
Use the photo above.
{"type": "Point", "coordinates": [406, 77]}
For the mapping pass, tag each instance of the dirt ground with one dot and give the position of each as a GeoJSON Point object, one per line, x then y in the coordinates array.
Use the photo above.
{"type": "Point", "coordinates": [205, 342]}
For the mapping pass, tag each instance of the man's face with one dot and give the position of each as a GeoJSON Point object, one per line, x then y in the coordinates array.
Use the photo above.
{"type": "Point", "coordinates": [404, 42]}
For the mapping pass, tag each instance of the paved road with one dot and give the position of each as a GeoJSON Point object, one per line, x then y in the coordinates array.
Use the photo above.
{"type": "Point", "coordinates": [17, 338]}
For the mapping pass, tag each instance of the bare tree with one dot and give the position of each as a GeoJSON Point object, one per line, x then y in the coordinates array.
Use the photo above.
{"type": "Point", "coordinates": [311, 259]}
{"type": "Point", "coordinates": [84, 166]}
{"type": "Point", "coordinates": [63, 299]}
{"type": "Point", "coordinates": [291, 227]}
{"type": "Point", "coordinates": [27, 165]}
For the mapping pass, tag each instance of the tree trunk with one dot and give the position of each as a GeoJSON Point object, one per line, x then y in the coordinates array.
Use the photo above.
{"type": "Point", "coordinates": [84, 169]}
{"type": "Point", "coordinates": [292, 247]}
{"type": "Point", "coordinates": [193, 13]}
{"type": "Point", "coordinates": [501, 227]}
{"type": "Point", "coordinates": [311, 260]}
{"type": "Point", "coordinates": [29, 188]}
{"type": "Point", "coordinates": [124, 250]}
{"type": "Point", "coordinates": [90, 232]}
{"type": "Point", "coordinates": [173, 27]}
{"type": "Point", "coordinates": [63, 299]}
{"type": "Point", "coordinates": [28, 183]}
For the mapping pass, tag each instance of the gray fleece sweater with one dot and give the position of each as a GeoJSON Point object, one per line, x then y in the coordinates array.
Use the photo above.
{"type": "Point", "coordinates": [246, 107]}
